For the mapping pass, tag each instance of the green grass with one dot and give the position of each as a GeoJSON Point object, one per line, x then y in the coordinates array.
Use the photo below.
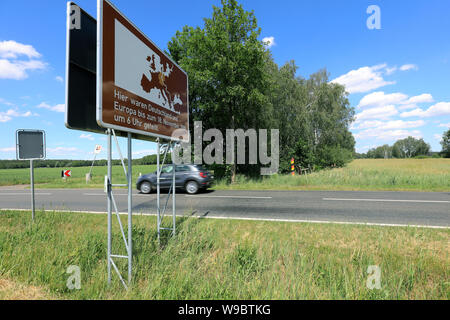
{"type": "Point", "coordinates": [218, 259]}
{"type": "Point", "coordinates": [364, 174]}
{"type": "Point", "coordinates": [51, 177]}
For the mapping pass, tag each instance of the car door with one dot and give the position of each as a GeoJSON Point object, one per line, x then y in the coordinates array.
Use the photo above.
{"type": "Point", "coordinates": [182, 173]}
{"type": "Point", "coordinates": [165, 179]}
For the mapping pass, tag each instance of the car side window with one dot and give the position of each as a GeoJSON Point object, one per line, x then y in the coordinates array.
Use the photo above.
{"type": "Point", "coordinates": [182, 169]}
{"type": "Point", "coordinates": [167, 169]}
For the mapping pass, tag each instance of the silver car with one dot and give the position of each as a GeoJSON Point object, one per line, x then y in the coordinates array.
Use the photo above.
{"type": "Point", "coordinates": [190, 177]}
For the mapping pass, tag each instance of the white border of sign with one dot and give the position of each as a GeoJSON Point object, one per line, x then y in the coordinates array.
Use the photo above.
{"type": "Point", "coordinates": [44, 154]}
{"type": "Point", "coordinates": [100, 77]}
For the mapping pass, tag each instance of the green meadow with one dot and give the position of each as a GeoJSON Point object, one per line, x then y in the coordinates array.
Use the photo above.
{"type": "Point", "coordinates": [51, 177]}
{"type": "Point", "coordinates": [221, 259]}
{"type": "Point", "coordinates": [364, 174]}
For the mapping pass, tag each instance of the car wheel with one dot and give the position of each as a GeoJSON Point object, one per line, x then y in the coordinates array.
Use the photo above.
{"type": "Point", "coordinates": [191, 187]}
{"type": "Point", "coordinates": [145, 187]}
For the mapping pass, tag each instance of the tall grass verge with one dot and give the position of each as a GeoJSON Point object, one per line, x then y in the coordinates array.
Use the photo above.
{"type": "Point", "coordinates": [219, 259]}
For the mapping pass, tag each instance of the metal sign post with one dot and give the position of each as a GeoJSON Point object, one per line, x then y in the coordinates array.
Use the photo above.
{"type": "Point", "coordinates": [172, 190]}
{"type": "Point", "coordinates": [111, 203]}
{"type": "Point", "coordinates": [30, 145]}
{"type": "Point", "coordinates": [32, 188]}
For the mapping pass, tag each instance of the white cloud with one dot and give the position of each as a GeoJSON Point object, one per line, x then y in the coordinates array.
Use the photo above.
{"type": "Point", "coordinates": [379, 98]}
{"type": "Point", "coordinates": [4, 118]}
{"type": "Point", "coordinates": [425, 97]}
{"type": "Point", "coordinates": [56, 108]}
{"type": "Point", "coordinates": [12, 49]}
{"type": "Point", "coordinates": [59, 79]}
{"type": "Point", "coordinates": [364, 79]}
{"type": "Point", "coordinates": [412, 102]}
{"type": "Point", "coordinates": [438, 137]}
{"type": "Point", "coordinates": [407, 67]}
{"type": "Point", "coordinates": [12, 113]}
{"type": "Point", "coordinates": [390, 71]}
{"type": "Point", "coordinates": [13, 68]}
{"type": "Point", "coordinates": [390, 125]}
{"type": "Point", "coordinates": [439, 109]}
{"type": "Point", "coordinates": [10, 149]}
{"type": "Point", "coordinates": [270, 41]}
{"type": "Point", "coordinates": [17, 70]}
{"type": "Point", "coordinates": [387, 135]}
{"type": "Point", "coordinates": [445, 125]}
{"type": "Point", "coordinates": [379, 113]}
{"type": "Point", "coordinates": [6, 103]}
{"type": "Point", "coordinates": [87, 136]}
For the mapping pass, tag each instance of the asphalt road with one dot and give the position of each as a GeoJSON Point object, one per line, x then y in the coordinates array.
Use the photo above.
{"type": "Point", "coordinates": [398, 208]}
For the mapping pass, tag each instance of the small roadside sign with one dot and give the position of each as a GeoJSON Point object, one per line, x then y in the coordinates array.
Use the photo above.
{"type": "Point", "coordinates": [30, 145]}
{"type": "Point", "coordinates": [66, 173]}
{"type": "Point", "coordinates": [98, 149]}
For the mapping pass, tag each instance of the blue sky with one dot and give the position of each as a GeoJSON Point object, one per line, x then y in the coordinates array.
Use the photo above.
{"type": "Point", "coordinates": [398, 76]}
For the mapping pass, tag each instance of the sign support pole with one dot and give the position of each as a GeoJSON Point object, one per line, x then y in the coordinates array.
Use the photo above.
{"type": "Point", "coordinates": [32, 188]}
{"type": "Point", "coordinates": [112, 204]}
{"type": "Point", "coordinates": [130, 208]}
{"type": "Point", "coordinates": [92, 165]}
{"type": "Point", "coordinates": [158, 173]}
{"type": "Point", "coordinates": [109, 205]}
{"type": "Point", "coordinates": [173, 190]}
{"type": "Point", "coordinates": [161, 212]}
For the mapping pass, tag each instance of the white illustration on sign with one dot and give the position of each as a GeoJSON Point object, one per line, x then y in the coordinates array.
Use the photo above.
{"type": "Point", "coordinates": [139, 70]}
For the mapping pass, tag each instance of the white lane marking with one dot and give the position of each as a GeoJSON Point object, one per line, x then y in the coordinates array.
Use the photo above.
{"type": "Point", "coordinates": [193, 196]}
{"type": "Point", "coordinates": [255, 219]}
{"type": "Point", "coordinates": [237, 197]}
{"type": "Point", "coordinates": [387, 200]}
{"type": "Point", "coordinates": [116, 194]}
{"type": "Point", "coordinates": [25, 194]}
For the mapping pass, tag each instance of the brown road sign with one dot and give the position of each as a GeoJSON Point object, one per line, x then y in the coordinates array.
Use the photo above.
{"type": "Point", "coordinates": [139, 88]}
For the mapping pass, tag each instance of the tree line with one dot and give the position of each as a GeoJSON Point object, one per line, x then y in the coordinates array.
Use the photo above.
{"type": "Point", "coordinates": [234, 83]}
{"type": "Point", "coordinates": [67, 164]}
{"type": "Point", "coordinates": [409, 147]}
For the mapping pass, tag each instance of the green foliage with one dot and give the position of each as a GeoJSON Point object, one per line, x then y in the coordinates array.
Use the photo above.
{"type": "Point", "coordinates": [383, 152]}
{"type": "Point", "coordinates": [234, 83]}
{"type": "Point", "coordinates": [406, 148]}
{"type": "Point", "coordinates": [334, 156]}
{"type": "Point", "coordinates": [446, 144]}
{"type": "Point", "coordinates": [410, 147]}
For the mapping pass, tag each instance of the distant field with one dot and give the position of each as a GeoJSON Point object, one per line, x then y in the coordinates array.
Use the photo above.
{"type": "Point", "coordinates": [221, 259]}
{"type": "Point", "coordinates": [51, 177]}
{"type": "Point", "coordinates": [364, 174]}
